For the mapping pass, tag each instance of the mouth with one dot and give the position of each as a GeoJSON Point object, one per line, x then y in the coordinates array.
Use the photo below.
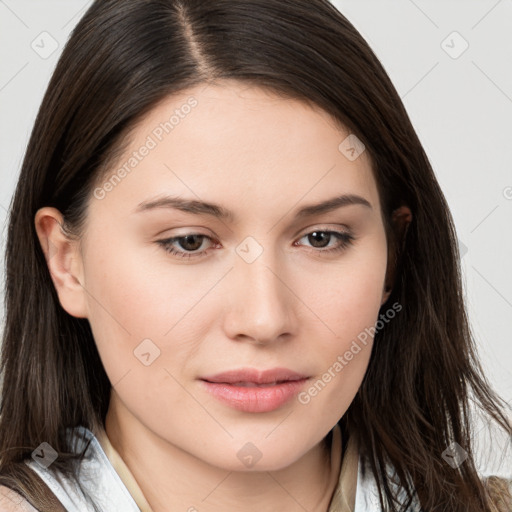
{"type": "Point", "coordinates": [255, 391]}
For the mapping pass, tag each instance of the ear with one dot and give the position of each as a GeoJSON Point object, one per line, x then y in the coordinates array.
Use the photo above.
{"type": "Point", "coordinates": [63, 259]}
{"type": "Point", "coordinates": [400, 220]}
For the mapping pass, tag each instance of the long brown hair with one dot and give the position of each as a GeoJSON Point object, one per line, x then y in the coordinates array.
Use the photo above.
{"type": "Point", "coordinates": [122, 58]}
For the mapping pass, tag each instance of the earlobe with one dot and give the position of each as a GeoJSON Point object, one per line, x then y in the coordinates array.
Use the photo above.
{"type": "Point", "coordinates": [63, 259]}
{"type": "Point", "coordinates": [400, 219]}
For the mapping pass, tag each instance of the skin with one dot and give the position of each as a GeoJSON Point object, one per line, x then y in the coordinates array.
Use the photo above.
{"type": "Point", "coordinates": [294, 306]}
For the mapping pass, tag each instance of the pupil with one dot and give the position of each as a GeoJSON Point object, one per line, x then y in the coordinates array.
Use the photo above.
{"type": "Point", "coordinates": [318, 236]}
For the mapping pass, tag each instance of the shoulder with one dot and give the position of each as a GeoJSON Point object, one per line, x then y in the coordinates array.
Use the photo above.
{"type": "Point", "coordinates": [500, 492]}
{"type": "Point", "coordinates": [11, 501]}
{"type": "Point", "coordinates": [96, 486]}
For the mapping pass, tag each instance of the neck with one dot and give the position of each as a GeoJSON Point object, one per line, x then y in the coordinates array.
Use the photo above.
{"type": "Point", "coordinates": [173, 479]}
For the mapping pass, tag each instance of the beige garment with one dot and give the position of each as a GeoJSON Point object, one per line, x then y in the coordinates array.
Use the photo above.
{"type": "Point", "coordinates": [122, 470]}
{"type": "Point", "coordinates": [343, 497]}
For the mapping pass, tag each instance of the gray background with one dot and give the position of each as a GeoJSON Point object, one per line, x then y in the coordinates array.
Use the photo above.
{"type": "Point", "coordinates": [459, 100]}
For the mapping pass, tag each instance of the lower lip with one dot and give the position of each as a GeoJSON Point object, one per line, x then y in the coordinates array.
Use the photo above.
{"type": "Point", "coordinates": [255, 399]}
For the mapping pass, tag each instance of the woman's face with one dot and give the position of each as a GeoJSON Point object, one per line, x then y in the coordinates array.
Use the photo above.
{"type": "Point", "coordinates": [268, 285]}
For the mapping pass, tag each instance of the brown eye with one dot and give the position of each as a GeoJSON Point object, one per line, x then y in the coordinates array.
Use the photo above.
{"type": "Point", "coordinates": [321, 238]}
{"type": "Point", "coordinates": [186, 246]}
{"type": "Point", "coordinates": [191, 242]}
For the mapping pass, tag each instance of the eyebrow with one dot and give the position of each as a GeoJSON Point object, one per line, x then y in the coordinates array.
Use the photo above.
{"type": "Point", "coordinates": [204, 208]}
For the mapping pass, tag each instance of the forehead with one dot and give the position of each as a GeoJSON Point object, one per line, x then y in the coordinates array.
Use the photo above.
{"type": "Point", "coordinates": [241, 145]}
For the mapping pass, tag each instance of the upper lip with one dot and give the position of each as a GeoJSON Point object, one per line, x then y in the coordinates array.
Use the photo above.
{"type": "Point", "coordinates": [257, 376]}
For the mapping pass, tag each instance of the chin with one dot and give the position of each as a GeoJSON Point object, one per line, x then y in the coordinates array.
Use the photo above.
{"type": "Point", "coordinates": [254, 457]}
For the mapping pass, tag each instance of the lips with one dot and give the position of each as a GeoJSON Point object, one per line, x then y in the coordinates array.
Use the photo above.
{"type": "Point", "coordinates": [255, 391]}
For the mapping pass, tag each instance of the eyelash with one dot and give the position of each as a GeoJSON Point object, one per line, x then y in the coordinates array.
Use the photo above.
{"type": "Point", "coordinates": [345, 241]}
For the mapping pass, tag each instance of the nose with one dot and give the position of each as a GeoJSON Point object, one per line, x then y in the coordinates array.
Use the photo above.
{"type": "Point", "coordinates": [260, 302]}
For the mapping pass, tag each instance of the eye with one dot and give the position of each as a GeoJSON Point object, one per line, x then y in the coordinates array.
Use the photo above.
{"type": "Point", "coordinates": [191, 243]}
{"type": "Point", "coordinates": [321, 238]}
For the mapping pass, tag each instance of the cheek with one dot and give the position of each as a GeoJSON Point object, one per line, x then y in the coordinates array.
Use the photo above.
{"type": "Point", "coordinates": [344, 298]}
{"type": "Point", "coordinates": [136, 308]}
{"type": "Point", "coordinates": [341, 356]}
{"type": "Point", "coordinates": [346, 303]}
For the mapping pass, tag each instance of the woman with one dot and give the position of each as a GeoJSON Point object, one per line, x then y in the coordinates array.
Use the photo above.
{"type": "Point", "coordinates": [233, 279]}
